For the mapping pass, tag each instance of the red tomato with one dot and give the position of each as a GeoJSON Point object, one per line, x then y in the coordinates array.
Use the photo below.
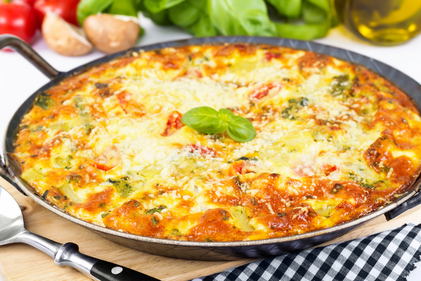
{"type": "Point", "coordinates": [64, 8]}
{"type": "Point", "coordinates": [29, 2]}
{"type": "Point", "coordinates": [19, 19]}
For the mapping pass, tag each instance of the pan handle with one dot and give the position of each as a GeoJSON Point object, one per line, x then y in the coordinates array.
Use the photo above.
{"type": "Point", "coordinates": [408, 204]}
{"type": "Point", "coordinates": [28, 53]}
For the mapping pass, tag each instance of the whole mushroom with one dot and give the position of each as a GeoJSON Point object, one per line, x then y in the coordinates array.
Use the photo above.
{"type": "Point", "coordinates": [111, 33]}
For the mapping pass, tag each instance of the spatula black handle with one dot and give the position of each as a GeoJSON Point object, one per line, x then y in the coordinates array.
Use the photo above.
{"type": "Point", "coordinates": [104, 270]}
{"type": "Point", "coordinates": [69, 255]}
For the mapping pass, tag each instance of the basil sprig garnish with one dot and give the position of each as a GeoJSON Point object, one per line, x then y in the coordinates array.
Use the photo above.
{"type": "Point", "coordinates": [207, 120]}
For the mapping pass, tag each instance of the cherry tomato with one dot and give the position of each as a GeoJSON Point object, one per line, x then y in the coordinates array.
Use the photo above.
{"type": "Point", "coordinates": [64, 8]}
{"type": "Point", "coordinates": [19, 19]}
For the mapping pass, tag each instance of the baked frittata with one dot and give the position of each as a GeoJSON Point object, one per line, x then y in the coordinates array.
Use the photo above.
{"type": "Point", "coordinates": [334, 142]}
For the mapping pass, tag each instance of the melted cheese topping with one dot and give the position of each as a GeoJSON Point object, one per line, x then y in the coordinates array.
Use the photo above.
{"type": "Point", "coordinates": [334, 142]}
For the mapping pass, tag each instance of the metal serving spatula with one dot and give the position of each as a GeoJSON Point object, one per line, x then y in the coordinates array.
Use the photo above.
{"type": "Point", "coordinates": [12, 230]}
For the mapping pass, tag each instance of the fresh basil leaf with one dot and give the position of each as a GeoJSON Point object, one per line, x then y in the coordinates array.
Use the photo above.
{"type": "Point", "coordinates": [85, 8]}
{"type": "Point", "coordinates": [184, 14]}
{"type": "Point", "coordinates": [203, 27]}
{"type": "Point", "coordinates": [123, 7]}
{"type": "Point", "coordinates": [159, 18]}
{"type": "Point", "coordinates": [205, 120]}
{"type": "Point", "coordinates": [225, 115]}
{"type": "Point", "coordinates": [288, 8]}
{"type": "Point", "coordinates": [302, 32]}
{"type": "Point", "coordinates": [315, 12]}
{"type": "Point", "coordinates": [241, 17]}
{"type": "Point", "coordinates": [192, 15]}
{"type": "Point", "coordinates": [240, 129]}
{"type": "Point", "coordinates": [155, 6]}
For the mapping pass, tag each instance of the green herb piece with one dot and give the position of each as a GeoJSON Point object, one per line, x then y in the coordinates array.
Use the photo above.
{"type": "Point", "coordinates": [295, 105]}
{"type": "Point", "coordinates": [155, 210]}
{"type": "Point", "coordinates": [79, 102]}
{"type": "Point", "coordinates": [340, 85]}
{"type": "Point", "coordinates": [337, 187]}
{"type": "Point", "coordinates": [207, 120]}
{"type": "Point", "coordinates": [63, 162]}
{"type": "Point", "coordinates": [73, 178]}
{"type": "Point", "coordinates": [281, 215]}
{"type": "Point", "coordinates": [87, 127]}
{"type": "Point", "coordinates": [103, 215]}
{"type": "Point", "coordinates": [44, 101]}
{"type": "Point", "coordinates": [154, 220]}
{"type": "Point", "coordinates": [122, 186]}
{"type": "Point", "coordinates": [208, 240]}
{"type": "Point", "coordinates": [175, 232]}
{"type": "Point", "coordinates": [244, 158]}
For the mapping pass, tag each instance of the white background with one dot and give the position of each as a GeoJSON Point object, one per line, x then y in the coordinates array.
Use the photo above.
{"type": "Point", "coordinates": [19, 79]}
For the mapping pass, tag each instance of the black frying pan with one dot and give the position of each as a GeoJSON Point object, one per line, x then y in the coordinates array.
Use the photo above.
{"type": "Point", "coordinates": [10, 171]}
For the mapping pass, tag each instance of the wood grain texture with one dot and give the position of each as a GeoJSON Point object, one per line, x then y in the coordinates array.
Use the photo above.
{"type": "Point", "coordinates": [21, 262]}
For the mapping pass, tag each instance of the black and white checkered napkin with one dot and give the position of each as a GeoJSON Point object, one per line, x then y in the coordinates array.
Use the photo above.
{"type": "Point", "coordinates": [389, 255]}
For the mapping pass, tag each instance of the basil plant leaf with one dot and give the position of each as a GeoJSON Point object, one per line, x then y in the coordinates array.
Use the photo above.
{"type": "Point", "coordinates": [205, 120]}
{"type": "Point", "coordinates": [184, 14]}
{"type": "Point", "coordinates": [155, 6]}
{"type": "Point", "coordinates": [241, 17]}
{"type": "Point", "coordinates": [203, 27]}
{"type": "Point", "coordinates": [225, 115]}
{"type": "Point", "coordinates": [240, 129]}
{"type": "Point", "coordinates": [302, 32]}
{"type": "Point", "coordinates": [288, 8]}
{"type": "Point", "coordinates": [160, 18]}
{"type": "Point", "coordinates": [123, 7]}
{"type": "Point", "coordinates": [85, 8]}
{"type": "Point", "coordinates": [316, 11]}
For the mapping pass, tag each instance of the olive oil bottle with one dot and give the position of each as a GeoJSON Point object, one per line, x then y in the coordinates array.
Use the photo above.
{"type": "Point", "coordinates": [384, 22]}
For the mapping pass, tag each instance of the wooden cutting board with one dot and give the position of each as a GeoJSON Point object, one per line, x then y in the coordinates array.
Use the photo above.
{"type": "Point", "coordinates": [22, 262]}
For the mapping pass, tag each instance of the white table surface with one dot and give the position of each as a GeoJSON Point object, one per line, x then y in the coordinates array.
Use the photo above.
{"type": "Point", "coordinates": [19, 79]}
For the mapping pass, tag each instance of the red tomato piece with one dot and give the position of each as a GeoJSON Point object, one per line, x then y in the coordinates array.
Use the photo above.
{"type": "Point", "coordinates": [263, 90]}
{"type": "Point", "coordinates": [173, 124]}
{"type": "Point", "coordinates": [202, 150]}
{"type": "Point", "coordinates": [129, 105]}
{"type": "Point", "coordinates": [269, 56]}
{"type": "Point", "coordinates": [108, 159]}
{"type": "Point", "coordinates": [329, 169]}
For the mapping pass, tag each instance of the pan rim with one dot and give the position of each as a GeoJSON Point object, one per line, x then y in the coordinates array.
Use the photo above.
{"type": "Point", "coordinates": [281, 42]}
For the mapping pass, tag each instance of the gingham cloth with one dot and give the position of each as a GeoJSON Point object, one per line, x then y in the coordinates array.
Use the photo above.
{"type": "Point", "coordinates": [389, 255]}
